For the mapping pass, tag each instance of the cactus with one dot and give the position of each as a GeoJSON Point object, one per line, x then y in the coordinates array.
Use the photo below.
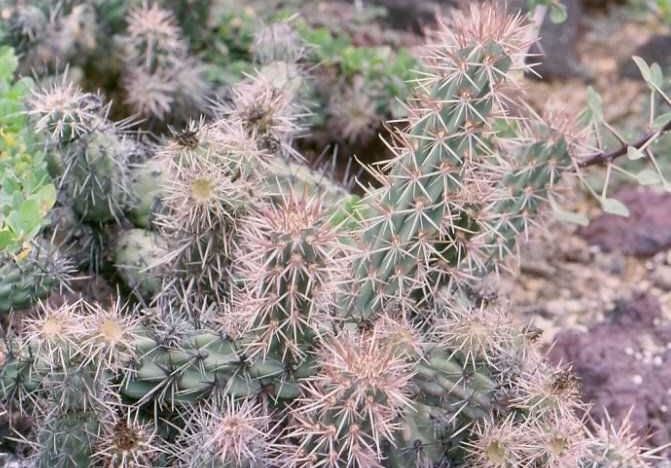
{"type": "Point", "coordinates": [351, 407]}
{"type": "Point", "coordinates": [268, 334]}
{"type": "Point", "coordinates": [136, 256]}
{"type": "Point", "coordinates": [277, 42]}
{"type": "Point", "coordinates": [286, 176]}
{"type": "Point", "coordinates": [126, 440]}
{"type": "Point", "coordinates": [225, 433]}
{"type": "Point", "coordinates": [453, 203]}
{"type": "Point", "coordinates": [96, 175]}
{"type": "Point", "coordinates": [292, 262]}
{"type": "Point", "coordinates": [93, 150]}
{"type": "Point", "coordinates": [145, 184]}
{"type": "Point", "coordinates": [160, 78]}
{"type": "Point", "coordinates": [75, 239]}
{"type": "Point", "coordinates": [211, 180]}
{"type": "Point", "coordinates": [267, 107]}
{"type": "Point", "coordinates": [34, 274]}
{"type": "Point", "coordinates": [66, 440]}
{"type": "Point", "coordinates": [46, 36]}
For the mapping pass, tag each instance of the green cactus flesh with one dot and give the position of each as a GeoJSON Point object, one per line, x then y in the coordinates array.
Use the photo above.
{"type": "Point", "coordinates": [136, 256]}
{"type": "Point", "coordinates": [27, 278]}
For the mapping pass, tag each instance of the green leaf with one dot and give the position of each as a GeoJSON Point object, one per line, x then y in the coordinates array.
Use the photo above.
{"type": "Point", "coordinates": [643, 67]}
{"type": "Point", "coordinates": [615, 207]}
{"type": "Point", "coordinates": [8, 63]}
{"type": "Point", "coordinates": [7, 239]}
{"type": "Point", "coordinates": [46, 197]}
{"type": "Point", "coordinates": [558, 13]}
{"type": "Point", "coordinates": [656, 75]}
{"type": "Point", "coordinates": [570, 217]}
{"type": "Point", "coordinates": [595, 103]}
{"type": "Point", "coordinates": [648, 177]}
{"type": "Point", "coordinates": [661, 121]}
{"type": "Point", "coordinates": [27, 218]}
{"type": "Point", "coordinates": [634, 153]}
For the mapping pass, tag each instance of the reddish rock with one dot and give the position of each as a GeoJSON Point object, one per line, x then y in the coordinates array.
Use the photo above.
{"type": "Point", "coordinates": [645, 232]}
{"type": "Point", "coordinates": [624, 365]}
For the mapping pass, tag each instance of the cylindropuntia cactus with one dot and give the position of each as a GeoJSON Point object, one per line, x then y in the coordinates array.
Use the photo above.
{"type": "Point", "coordinates": [35, 273]}
{"type": "Point", "coordinates": [96, 175]}
{"type": "Point", "coordinates": [46, 35]}
{"type": "Point", "coordinates": [213, 176]}
{"type": "Point", "coordinates": [398, 376]}
{"type": "Point", "coordinates": [161, 79]}
{"type": "Point", "coordinates": [285, 177]}
{"type": "Point", "coordinates": [225, 432]}
{"type": "Point", "coordinates": [351, 408]}
{"type": "Point", "coordinates": [138, 255]}
{"type": "Point", "coordinates": [93, 150]}
{"type": "Point", "coordinates": [292, 262]}
{"type": "Point", "coordinates": [456, 195]}
{"type": "Point", "coordinates": [145, 187]}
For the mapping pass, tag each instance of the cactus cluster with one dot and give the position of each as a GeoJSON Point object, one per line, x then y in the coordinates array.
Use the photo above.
{"type": "Point", "coordinates": [264, 319]}
{"type": "Point", "coordinates": [160, 77]}
{"type": "Point", "coordinates": [34, 274]}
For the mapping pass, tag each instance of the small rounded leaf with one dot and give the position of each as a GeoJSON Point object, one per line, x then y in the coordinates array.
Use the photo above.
{"type": "Point", "coordinates": [648, 177]}
{"type": "Point", "coordinates": [558, 13]}
{"type": "Point", "coordinates": [634, 153]}
{"type": "Point", "coordinates": [615, 207]}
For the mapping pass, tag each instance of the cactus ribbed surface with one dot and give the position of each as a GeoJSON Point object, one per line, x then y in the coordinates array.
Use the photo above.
{"type": "Point", "coordinates": [96, 174]}
{"type": "Point", "coordinates": [292, 263]}
{"type": "Point", "coordinates": [136, 256]}
{"type": "Point", "coordinates": [93, 151]}
{"type": "Point", "coordinates": [145, 187]}
{"type": "Point", "coordinates": [278, 322]}
{"type": "Point", "coordinates": [419, 217]}
{"type": "Point", "coordinates": [32, 275]}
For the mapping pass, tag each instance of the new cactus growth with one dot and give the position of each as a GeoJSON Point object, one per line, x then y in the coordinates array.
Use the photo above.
{"type": "Point", "coordinates": [352, 407]}
{"type": "Point", "coordinates": [226, 433]}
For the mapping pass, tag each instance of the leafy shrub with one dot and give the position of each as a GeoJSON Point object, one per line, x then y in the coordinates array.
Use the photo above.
{"type": "Point", "coordinates": [27, 192]}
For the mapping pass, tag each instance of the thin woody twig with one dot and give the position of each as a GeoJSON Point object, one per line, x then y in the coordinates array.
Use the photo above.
{"type": "Point", "coordinates": [608, 157]}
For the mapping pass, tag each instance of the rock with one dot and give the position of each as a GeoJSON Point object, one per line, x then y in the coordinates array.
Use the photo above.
{"type": "Point", "coordinates": [654, 50]}
{"type": "Point", "coordinates": [558, 43]}
{"type": "Point", "coordinates": [412, 14]}
{"type": "Point", "coordinates": [624, 363]}
{"type": "Point", "coordinates": [600, 4]}
{"type": "Point", "coordinates": [662, 277]}
{"type": "Point", "coordinates": [645, 232]}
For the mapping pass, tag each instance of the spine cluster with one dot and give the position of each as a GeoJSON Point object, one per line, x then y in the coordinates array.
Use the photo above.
{"type": "Point", "coordinates": [271, 324]}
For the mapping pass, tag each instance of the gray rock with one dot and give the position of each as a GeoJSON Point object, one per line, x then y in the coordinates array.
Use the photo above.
{"type": "Point", "coordinates": [645, 232]}
{"type": "Point", "coordinates": [558, 43]}
{"type": "Point", "coordinates": [623, 366]}
{"type": "Point", "coordinates": [412, 14]}
{"type": "Point", "coordinates": [662, 277]}
{"type": "Point", "coordinates": [655, 50]}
